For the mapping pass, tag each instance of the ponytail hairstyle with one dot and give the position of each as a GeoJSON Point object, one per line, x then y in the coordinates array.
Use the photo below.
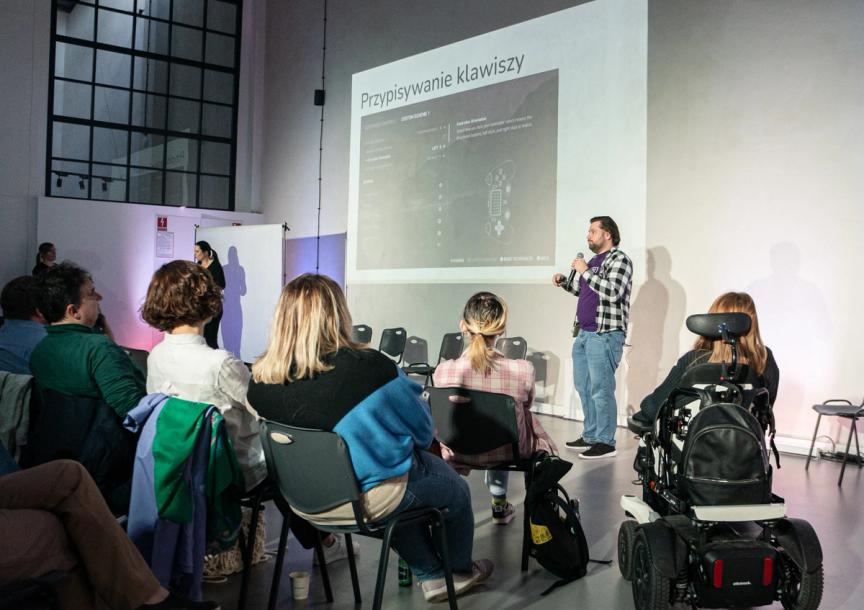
{"type": "Point", "coordinates": [484, 317]}
{"type": "Point", "coordinates": [44, 249]}
{"type": "Point", "coordinates": [205, 247]}
{"type": "Point", "coordinates": [751, 349]}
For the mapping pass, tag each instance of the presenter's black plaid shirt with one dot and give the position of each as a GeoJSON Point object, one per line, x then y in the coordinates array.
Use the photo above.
{"type": "Point", "coordinates": [612, 283]}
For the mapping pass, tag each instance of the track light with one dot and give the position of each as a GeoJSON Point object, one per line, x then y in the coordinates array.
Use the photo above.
{"type": "Point", "coordinates": [59, 182]}
{"type": "Point", "coordinates": [81, 183]}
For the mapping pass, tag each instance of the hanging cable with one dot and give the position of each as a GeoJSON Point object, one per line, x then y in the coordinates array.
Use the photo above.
{"type": "Point", "coordinates": [321, 142]}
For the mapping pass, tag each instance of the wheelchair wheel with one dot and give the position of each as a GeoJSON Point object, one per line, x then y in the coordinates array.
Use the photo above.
{"type": "Point", "coordinates": [651, 589]}
{"type": "Point", "coordinates": [626, 537]}
{"type": "Point", "coordinates": [801, 590]}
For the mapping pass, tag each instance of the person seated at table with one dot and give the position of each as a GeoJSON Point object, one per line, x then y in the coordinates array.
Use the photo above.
{"type": "Point", "coordinates": [313, 375]}
{"type": "Point", "coordinates": [481, 367]}
{"type": "Point", "coordinates": [751, 351]}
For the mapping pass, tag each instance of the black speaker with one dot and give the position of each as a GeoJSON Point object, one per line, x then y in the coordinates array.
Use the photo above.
{"type": "Point", "coordinates": [319, 97]}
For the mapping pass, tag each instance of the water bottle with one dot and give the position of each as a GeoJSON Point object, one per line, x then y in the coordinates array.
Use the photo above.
{"type": "Point", "coordinates": [404, 573]}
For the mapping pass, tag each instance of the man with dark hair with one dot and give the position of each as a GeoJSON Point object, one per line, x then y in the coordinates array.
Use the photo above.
{"type": "Point", "coordinates": [602, 313]}
{"type": "Point", "coordinates": [24, 327]}
{"type": "Point", "coordinates": [73, 359]}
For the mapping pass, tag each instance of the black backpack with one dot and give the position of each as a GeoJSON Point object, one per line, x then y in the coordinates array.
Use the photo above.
{"type": "Point", "coordinates": [557, 540]}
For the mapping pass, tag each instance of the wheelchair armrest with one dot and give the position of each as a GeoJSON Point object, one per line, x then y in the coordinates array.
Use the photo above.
{"type": "Point", "coordinates": [639, 427]}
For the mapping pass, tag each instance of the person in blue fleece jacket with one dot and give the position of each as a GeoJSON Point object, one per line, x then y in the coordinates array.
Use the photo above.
{"type": "Point", "coordinates": [313, 376]}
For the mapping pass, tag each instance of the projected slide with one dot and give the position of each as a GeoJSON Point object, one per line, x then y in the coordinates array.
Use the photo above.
{"type": "Point", "coordinates": [469, 179]}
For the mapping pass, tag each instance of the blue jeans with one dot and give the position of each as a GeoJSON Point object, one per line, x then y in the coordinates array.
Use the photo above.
{"type": "Point", "coordinates": [496, 481]}
{"type": "Point", "coordinates": [595, 358]}
{"type": "Point", "coordinates": [432, 482]}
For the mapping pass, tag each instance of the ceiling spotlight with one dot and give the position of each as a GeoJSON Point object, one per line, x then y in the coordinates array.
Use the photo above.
{"type": "Point", "coordinates": [104, 184]}
{"type": "Point", "coordinates": [81, 183]}
{"type": "Point", "coordinates": [59, 182]}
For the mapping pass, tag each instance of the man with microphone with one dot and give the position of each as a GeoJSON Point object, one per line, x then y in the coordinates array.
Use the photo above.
{"type": "Point", "coordinates": [603, 286]}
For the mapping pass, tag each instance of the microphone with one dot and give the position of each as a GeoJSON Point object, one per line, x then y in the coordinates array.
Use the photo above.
{"type": "Point", "coordinates": [568, 285]}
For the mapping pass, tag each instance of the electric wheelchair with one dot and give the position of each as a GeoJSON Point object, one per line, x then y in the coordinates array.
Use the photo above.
{"type": "Point", "coordinates": [708, 531]}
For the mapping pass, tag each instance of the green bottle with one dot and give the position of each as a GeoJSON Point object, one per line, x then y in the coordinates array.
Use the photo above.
{"type": "Point", "coordinates": [404, 573]}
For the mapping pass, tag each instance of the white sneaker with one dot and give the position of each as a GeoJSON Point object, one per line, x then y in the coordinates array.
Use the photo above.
{"type": "Point", "coordinates": [435, 590]}
{"type": "Point", "coordinates": [336, 551]}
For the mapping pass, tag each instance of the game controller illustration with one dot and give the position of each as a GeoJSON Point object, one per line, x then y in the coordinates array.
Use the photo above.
{"type": "Point", "coordinates": [499, 180]}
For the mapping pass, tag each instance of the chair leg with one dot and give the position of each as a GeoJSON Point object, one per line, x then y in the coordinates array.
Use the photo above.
{"type": "Point", "coordinates": [247, 547]}
{"type": "Point", "coordinates": [352, 566]}
{"type": "Point", "coordinates": [813, 442]}
{"type": "Point", "coordinates": [526, 526]}
{"type": "Point", "coordinates": [857, 447]}
{"type": "Point", "coordinates": [277, 569]}
{"type": "Point", "coordinates": [441, 532]}
{"type": "Point", "coordinates": [322, 565]}
{"type": "Point", "coordinates": [382, 566]}
{"type": "Point", "coordinates": [852, 430]}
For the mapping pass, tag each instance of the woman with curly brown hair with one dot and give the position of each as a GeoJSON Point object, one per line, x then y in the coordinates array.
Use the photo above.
{"type": "Point", "coordinates": [181, 299]}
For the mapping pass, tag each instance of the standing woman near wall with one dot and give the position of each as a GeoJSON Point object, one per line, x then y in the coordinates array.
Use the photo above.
{"type": "Point", "coordinates": [45, 259]}
{"type": "Point", "coordinates": [207, 258]}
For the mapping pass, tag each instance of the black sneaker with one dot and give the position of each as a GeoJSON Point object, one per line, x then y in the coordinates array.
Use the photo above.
{"type": "Point", "coordinates": [579, 443]}
{"type": "Point", "coordinates": [600, 450]}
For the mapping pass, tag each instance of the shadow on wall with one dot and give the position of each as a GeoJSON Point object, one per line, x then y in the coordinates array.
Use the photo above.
{"type": "Point", "coordinates": [656, 318]}
{"type": "Point", "coordinates": [232, 306]}
{"type": "Point", "coordinates": [795, 323]}
{"type": "Point", "coordinates": [546, 365]}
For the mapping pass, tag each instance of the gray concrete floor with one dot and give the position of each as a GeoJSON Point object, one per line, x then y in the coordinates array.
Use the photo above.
{"type": "Point", "coordinates": [836, 514]}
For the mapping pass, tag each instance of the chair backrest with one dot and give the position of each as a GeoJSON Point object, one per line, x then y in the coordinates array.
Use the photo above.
{"type": "Point", "coordinates": [471, 422]}
{"type": "Point", "coordinates": [311, 468]}
{"type": "Point", "coordinates": [393, 342]}
{"type": "Point", "coordinates": [451, 346]}
{"type": "Point", "coordinates": [514, 348]}
{"type": "Point", "coordinates": [416, 351]}
{"type": "Point", "coordinates": [360, 333]}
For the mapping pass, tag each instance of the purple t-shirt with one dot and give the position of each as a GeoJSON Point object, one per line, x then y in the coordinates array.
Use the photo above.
{"type": "Point", "coordinates": [586, 309]}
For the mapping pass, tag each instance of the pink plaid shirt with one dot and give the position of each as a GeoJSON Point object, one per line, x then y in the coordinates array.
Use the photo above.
{"type": "Point", "coordinates": [512, 377]}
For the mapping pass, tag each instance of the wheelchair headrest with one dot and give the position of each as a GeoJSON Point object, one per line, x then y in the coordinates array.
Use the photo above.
{"type": "Point", "coordinates": [709, 325]}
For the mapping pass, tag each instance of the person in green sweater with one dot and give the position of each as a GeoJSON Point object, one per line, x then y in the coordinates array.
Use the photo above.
{"type": "Point", "coordinates": [73, 358]}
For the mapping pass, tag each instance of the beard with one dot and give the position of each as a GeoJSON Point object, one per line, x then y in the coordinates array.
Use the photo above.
{"type": "Point", "coordinates": [594, 247]}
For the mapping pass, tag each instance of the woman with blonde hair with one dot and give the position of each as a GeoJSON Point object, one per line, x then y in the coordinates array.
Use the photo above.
{"type": "Point", "coordinates": [481, 367]}
{"type": "Point", "coordinates": [313, 375]}
{"type": "Point", "coordinates": [751, 351]}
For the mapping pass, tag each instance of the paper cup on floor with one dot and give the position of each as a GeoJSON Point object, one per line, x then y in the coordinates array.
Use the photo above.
{"type": "Point", "coordinates": [299, 584]}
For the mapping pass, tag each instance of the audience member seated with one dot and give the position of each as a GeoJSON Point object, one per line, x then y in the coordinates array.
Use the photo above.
{"type": "Point", "coordinates": [481, 367]}
{"type": "Point", "coordinates": [751, 351]}
{"type": "Point", "coordinates": [73, 359]}
{"type": "Point", "coordinates": [24, 326]}
{"type": "Point", "coordinates": [181, 299]}
{"type": "Point", "coordinates": [312, 375]}
{"type": "Point", "coordinates": [53, 518]}
{"type": "Point", "coordinates": [45, 258]}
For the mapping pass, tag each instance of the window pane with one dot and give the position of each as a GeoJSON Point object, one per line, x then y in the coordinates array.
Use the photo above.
{"type": "Point", "coordinates": [220, 50]}
{"type": "Point", "coordinates": [113, 68]}
{"type": "Point", "coordinates": [77, 23]}
{"type": "Point", "coordinates": [122, 5]}
{"type": "Point", "coordinates": [151, 75]}
{"type": "Point", "coordinates": [70, 141]}
{"type": "Point", "coordinates": [147, 149]}
{"type": "Point", "coordinates": [149, 110]}
{"type": "Point", "coordinates": [221, 16]}
{"type": "Point", "coordinates": [186, 43]}
{"type": "Point", "coordinates": [109, 145]}
{"type": "Point", "coordinates": [72, 99]}
{"type": "Point", "coordinates": [152, 36]}
{"type": "Point", "coordinates": [114, 28]}
{"type": "Point", "coordinates": [180, 189]}
{"type": "Point", "coordinates": [145, 186]}
{"type": "Point", "coordinates": [154, 8]}
{"type": "Point", "coordinates": [214, 192]}
{"type": "Point", "coordinates": [185, 81]}
{"type": "Point", "coordinates": [109, 183]}
{"type": "Point", "coordinates": [73, 61]}
{"type": "Point", "coordinates": [182, 154]}
{"type": "Point", "coordinates": [190, 12]}
{"type": "Point", "coordinates": [183, 115]}
{"type": "Point", "coordinates": [111, 105]}
{"type": "Point", "coordinates": [215, 158]}
{"type": "Point", "coordinates": [218, 87]}
{"type": "Point", "coordinates": [64, 179]}
{"type": "Point", "coordinates": [217, 121]}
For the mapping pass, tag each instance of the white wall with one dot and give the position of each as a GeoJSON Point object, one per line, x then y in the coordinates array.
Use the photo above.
{"type": "Point", "coordinates": [117, 243]}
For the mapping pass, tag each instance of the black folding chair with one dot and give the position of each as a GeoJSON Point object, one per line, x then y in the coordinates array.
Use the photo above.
{"type": "Point", "coordinates": [393, 343]}
{"type": "Point", "coordinates": [839, 407]}
{"type": "Point", "coordinates": [472, 422]}
{"type": "Point", "coordinates": [451, 348]}
{"type": "Point", "coordinates": [360, 333]}
{"type": "Point", "coordinates": [513, 348]}
{"type": "Point", "coordinates": [313, 473]}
